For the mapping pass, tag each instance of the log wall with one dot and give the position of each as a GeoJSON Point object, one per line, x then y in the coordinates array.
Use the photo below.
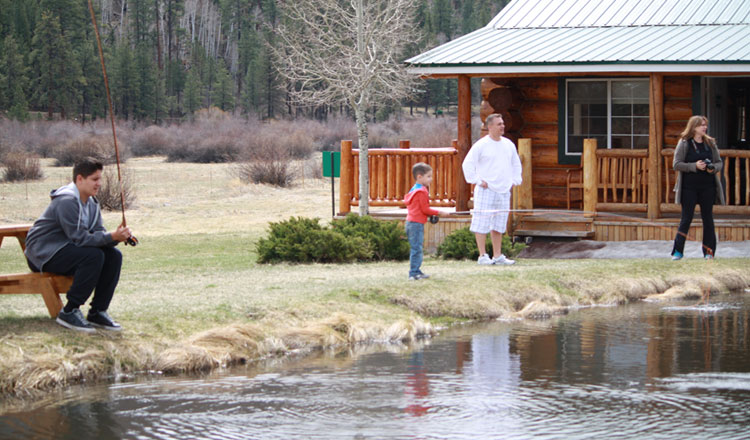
{"type": "Point", "coordinates": [530, 109]}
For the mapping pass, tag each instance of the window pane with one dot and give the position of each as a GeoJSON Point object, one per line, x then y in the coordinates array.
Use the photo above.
{"type": "Point", "coordinates": [622, 126]}
{"type": "Point", "coordinates": [621, 142]}
{"type": "Point", "coordinates": [640, 109]}
{"type": "Point", "coordinates": [640, 141]}
{"type": "Point", "coordinates": [632, 90]}
{"type": "Point", "coordinates": [587, 91]}
{"type": "Point", "coordinates": [587, 113]}
{"type": "Point", "coordinates": [621, 109]}
{"type": "Point", "coordinates": [640, 125]}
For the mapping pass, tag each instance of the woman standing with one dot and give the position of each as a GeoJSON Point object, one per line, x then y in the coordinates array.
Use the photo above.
{"type": "Point", "coordinates": [698, 167]}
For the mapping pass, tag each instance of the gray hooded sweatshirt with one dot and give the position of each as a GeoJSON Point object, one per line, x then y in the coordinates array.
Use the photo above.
{"type": "Point", "coordinates": [66, 220]}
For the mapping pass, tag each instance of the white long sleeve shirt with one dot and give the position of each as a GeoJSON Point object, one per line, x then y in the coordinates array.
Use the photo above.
{"type": "Point", "coordinates": [495, 162]}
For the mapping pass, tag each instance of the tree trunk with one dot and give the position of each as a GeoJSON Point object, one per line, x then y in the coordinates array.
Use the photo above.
{"type": "Point", "coordinates": [360, 113]}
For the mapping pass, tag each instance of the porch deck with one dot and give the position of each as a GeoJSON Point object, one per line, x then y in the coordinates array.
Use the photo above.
{"type": "Point", "coordinates": [622, 226]}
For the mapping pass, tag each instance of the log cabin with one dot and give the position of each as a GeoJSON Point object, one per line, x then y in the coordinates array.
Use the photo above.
{"type": "Point", "coordinates": [595, 95]}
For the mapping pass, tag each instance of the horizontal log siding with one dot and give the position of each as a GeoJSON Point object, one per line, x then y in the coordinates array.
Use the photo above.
{"type": "Point", "coordinates": [540, 116]}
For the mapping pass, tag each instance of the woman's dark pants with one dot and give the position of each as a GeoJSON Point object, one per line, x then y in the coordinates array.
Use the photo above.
{"type": "Point", "coordinates": [705, 199]}
{"type": "Point", "coordinates": [94, 269]}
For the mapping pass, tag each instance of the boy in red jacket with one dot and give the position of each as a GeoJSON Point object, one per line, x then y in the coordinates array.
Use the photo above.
{"type": "Point", "coordinates": [418, 208]}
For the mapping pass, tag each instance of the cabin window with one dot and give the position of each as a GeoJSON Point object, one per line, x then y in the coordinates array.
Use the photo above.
{"type": "Point", "coordinates": [612, 111]}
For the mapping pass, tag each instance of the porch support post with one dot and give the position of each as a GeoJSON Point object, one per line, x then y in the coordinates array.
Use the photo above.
{"type": "Point", "coordinates": [590, 177]}
{"type": "Point", "coordinates": [464, 141]}
{"type": "Point", "coordinates": [346, 179]}
{"type": "Point", "coordinates": [655, 143]}
{"type": "Point", "coordinates": [525, 195]}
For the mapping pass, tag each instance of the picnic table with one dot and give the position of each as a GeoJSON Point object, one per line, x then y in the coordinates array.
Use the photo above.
{"type": "Point", "coordinates": [49, 285]}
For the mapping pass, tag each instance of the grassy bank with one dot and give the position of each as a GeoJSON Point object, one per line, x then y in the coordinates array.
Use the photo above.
{"type": "Point", "coordinates": [192, 297]}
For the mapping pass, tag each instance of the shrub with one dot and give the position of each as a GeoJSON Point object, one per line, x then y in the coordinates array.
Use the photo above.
{"type": "Point", "coordinates": [461, 244]}
{"type": "Point", "coordinates": [109, 193]}
{"type": "Point", "coordinates": [20, 166]}
{"type": "Point", "coordinates": [208, 149]}
{"type": "Point", "coordinates": [151, 141]}
{"type": "Point", "coordinates": [387, 239]}
{"type": "Point", "coordinates": [266, 163]}
{"type": "Point", "coordinates": [303, 240]}
{"type": "Point", "coordinates": [98, 147]}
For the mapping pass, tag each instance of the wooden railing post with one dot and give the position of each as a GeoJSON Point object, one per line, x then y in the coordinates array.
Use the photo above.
{"type": "Point", "coordinates": [590, 173]}
{"type": "Point", "coordinates": [346, 179]}
{"type": "Point", "coordinates": [463, 189]}
{"type": "Point", "coordinates": [525, 195]}
{"type": "Point", "coordinates": [404, 144]}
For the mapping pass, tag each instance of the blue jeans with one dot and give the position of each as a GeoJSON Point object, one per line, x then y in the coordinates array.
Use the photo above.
{"type": "Point", "coordinates": [415, 234]}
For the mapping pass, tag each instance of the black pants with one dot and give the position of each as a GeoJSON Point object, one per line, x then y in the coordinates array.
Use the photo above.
{"type": "Point", "coordinates": [704, 197]}
{"type": "Point", "coordinates": [93, 269]}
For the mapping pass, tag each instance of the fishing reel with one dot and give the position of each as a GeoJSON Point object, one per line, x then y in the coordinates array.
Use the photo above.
{"type": "Point", "coordinates": [132, 241]}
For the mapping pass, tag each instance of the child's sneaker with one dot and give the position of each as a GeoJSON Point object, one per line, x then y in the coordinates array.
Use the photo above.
{"type": "Point", "coordinates": [413, 277]}
{"type": "Point", "coordinates": [502, 260]}
{"type": "Point", "coordinates": [677, 256]}
{"type": "Point", "coordinates": [485, 260]}
{"type": "Point", "coordinates": [708, 257]}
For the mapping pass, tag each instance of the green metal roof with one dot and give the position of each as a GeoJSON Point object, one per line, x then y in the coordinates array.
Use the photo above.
{"type": "Point", "coordinates": [601, 35]}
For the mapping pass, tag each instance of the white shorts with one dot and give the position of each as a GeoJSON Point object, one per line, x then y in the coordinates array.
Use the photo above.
{"type": "Point", "coordinates": [490, 211]}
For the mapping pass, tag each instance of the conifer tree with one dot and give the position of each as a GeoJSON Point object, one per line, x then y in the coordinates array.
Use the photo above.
{"type": "Point", "coordinates": [58, 75]}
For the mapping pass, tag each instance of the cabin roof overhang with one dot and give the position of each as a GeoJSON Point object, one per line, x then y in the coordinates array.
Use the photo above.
{"type": "Point", "coordinates": [530, 69]}
{"type": "Point", "coordinates": [720, 49]}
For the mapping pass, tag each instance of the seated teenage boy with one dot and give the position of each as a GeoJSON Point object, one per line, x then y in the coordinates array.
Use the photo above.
{"type": "Point", "coordinates": [69, 239]}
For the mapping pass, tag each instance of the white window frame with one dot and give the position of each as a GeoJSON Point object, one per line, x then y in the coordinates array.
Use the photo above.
{"type": "Point", "coordinates": [609, 82]}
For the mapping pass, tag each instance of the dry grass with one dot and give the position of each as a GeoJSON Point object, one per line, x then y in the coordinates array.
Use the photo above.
{"type": "Point", "coordinates": [192, 297]}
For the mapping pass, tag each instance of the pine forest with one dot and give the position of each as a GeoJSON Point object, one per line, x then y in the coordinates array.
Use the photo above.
{"type": "Point", "coordinates": [166, 59]}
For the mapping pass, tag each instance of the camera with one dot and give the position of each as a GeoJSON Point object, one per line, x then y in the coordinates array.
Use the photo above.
{"type": "Point", "coordinates": [434, 219]}
{"type": "Point", "coordinates": [709, 165]}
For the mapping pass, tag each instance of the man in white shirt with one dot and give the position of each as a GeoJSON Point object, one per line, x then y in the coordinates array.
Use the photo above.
{"type": "Point", "coordinates": [493, 166]}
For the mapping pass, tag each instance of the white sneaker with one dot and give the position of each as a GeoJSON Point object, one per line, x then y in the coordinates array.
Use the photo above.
{"type": "Point", "coordinates": [485, 260]}
{"type": "Point", "coordinates": [502, 260]}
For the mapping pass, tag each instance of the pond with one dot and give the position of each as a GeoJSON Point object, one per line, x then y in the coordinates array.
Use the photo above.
{"type": "Point", "coordinates": [648, 370]}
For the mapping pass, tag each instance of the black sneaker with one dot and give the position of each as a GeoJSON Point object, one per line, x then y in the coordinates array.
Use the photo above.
{"type": "Point", "coordinates": [103, 320]}
{"type": "Point", "coordinates": [74, 320]}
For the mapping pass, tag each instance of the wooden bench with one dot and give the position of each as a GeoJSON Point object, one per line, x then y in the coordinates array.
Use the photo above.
{"type": "Point", "coordinates": [49, 285]}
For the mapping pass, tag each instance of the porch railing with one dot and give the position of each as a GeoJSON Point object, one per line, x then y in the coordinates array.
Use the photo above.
{"type": "Point", "coordinates": [391, 178]}
{"type": "Point", "coordinates": [617, 179]}
{"type": "Point", "coordinates": [736, 179]}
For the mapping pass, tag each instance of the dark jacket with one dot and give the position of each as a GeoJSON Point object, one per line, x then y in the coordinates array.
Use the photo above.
{"type": "Point", "coordinates": [681, 166]}
{"type": "Point", "coordinates": [62, 223]}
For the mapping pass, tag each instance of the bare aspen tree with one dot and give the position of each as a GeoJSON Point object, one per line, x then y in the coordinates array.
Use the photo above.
{"type": "Point", "coordinates": [349, 51]}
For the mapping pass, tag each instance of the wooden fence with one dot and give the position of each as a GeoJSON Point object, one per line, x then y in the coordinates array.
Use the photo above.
{"type": "Point", "coordinates": [736, 178]}
{"type": "Point", "coordinates": [391, 178]}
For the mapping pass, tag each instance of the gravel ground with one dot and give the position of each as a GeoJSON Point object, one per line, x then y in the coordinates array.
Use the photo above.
{"type": "Point", "coordinates": [628, 249]}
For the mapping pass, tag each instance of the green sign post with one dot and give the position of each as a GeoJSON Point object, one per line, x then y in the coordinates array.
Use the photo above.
{"type": "Point", "coordinates": [332, 168]}
{"type": "Point", "coordinates": [331, 163]}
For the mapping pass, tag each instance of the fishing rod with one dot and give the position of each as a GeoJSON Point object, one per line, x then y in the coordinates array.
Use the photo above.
{"type": "Point", "coordinates": [132, 241]}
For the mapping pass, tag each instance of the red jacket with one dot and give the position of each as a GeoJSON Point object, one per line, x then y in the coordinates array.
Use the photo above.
{"type": "Point", "coordinates": [418, 205]}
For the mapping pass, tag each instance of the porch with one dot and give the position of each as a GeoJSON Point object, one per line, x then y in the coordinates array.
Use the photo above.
{"type": "Point", "coordinates": [617, 198]}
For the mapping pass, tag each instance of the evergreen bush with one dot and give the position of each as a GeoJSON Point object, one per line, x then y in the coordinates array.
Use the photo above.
{"type": "Point", "coordinates": [387, 238]}
{"type": "Point", "coordinates": [304, 240]}
{"type": "Point", "coordinates": [461, 244]}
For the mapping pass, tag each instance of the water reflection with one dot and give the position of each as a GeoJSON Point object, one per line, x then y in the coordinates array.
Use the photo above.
{"type": "Point", "coordinates": [640, 371]}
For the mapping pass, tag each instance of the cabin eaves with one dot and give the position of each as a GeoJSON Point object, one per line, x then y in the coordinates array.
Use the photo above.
{"type": "Point", "coordinates": [547, 36]}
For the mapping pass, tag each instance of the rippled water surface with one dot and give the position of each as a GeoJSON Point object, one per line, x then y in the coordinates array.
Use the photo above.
{"type": "Point", "coordinates": [656, 371]}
